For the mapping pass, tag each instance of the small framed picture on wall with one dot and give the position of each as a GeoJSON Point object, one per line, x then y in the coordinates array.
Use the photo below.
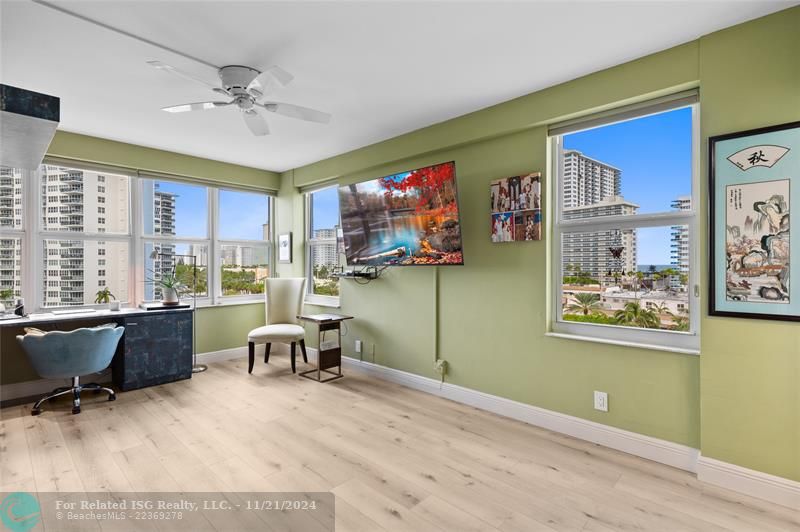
{"type": "Point", "coordinates": [516, 208]}
{"type": "Point", "coordinates": [285, 248]}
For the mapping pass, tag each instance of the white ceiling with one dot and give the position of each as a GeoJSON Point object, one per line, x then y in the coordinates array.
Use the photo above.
{"type": "Point", "coordinates": [381, 68]}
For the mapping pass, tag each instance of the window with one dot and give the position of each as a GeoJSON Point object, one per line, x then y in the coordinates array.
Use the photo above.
{"type": "Point", "coordinates": [243, 238]}
{"type": "Point", "coordinates": [322, 226]}
{"type": "Point", "coordinates": [624, 227]}
{"type": "Point", "coordinates": [50, 217]}
{"type": "Point", "coordinates": [177, 222]}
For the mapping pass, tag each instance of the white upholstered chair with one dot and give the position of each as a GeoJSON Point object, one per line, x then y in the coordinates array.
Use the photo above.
{"type": "Point", "coordinates": [284, 302]}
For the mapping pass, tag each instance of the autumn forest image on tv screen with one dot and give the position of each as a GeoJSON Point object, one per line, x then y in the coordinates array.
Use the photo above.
{"type": "Point", "coordinates": [410, 218]}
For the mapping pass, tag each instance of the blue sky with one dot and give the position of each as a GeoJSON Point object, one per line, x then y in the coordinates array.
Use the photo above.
{"type": "Point", "coordinates": [241, 213]}
{"type": "Point", "coordinates": [655, 156]}
{"type": "Point", "coordinates": [326, 208]}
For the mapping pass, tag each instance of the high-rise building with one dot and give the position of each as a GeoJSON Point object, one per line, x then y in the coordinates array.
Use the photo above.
{"type": "Point", "coordinates": [587, 181]}
{"type": "Point", "coordinates": [590, 251]}
{"type": "Point", "coordinates": [10, 247]}
{"type": "Point", "coordinates": [83, 202]}
{"type": "Point", "coordinates": [325, 254]}
{"type": "Point", "coordinates": [679, 254]}
{"type": "Point", "coordinates": [159, 219]}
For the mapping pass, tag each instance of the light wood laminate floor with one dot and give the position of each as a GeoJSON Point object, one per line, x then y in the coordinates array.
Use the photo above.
{"type": "Point", "coordinates": [396, 459]}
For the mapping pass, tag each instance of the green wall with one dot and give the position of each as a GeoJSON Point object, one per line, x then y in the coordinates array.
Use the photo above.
{"type": "Point", "coordinates": [738, 401]}
{"type": "Point", "coordinates": [750, 369]}
{"type": "Point", "coordinates": [103, 151]}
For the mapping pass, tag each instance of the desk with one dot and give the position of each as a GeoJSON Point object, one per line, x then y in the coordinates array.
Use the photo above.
{"type": "Point", "coordinates": [330, 357]}
{"type": "Point", "coordinates": [156, 347]}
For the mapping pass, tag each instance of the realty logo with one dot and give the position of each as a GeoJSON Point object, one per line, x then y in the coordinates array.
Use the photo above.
{"type": "Point", "coordinates": [20, 512]}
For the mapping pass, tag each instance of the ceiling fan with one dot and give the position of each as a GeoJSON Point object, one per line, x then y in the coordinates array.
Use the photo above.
{"type": "Point", "coordinates": [246, 86]}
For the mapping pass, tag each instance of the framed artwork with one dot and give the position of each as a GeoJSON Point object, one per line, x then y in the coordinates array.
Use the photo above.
{"type": "Point", "coordinates": [754, 179]}
{"type": "Point", "coordinates": [285, 248]}
{"type": "Point", "coordinates": [516, 204]}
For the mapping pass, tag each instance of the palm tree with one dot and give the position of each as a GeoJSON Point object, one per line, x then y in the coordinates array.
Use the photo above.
{"type": "Point", "coordinates": [584, 303]}
{"type": "Point", "coordinates": [634, 315]}
{"type": "Point", "coordinates": [662, 308]}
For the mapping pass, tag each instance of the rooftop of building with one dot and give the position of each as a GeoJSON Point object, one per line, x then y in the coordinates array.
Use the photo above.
{"type": "Point", "coordinates": [578, 152]}
{"type": "Point", "coordinates": [609, 202]}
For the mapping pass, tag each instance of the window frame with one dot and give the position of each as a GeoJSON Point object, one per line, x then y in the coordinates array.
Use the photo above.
{"type": "Point", "coordinates": [311, 297]}
{"type": "Point", "coordinates": [675, 341]}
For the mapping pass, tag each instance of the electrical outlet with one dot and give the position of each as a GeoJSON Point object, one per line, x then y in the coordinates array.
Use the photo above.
{"type": "Point", "coordinates": [440, 366]}
{"type": "Point", "coordinates": [358, 346]}
{"type": "Point", "coordinates": [601, 401]}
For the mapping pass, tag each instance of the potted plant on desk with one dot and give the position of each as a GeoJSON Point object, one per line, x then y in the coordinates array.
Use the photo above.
{"type": "Point", "coordinates": [104, 297]}
{"type": "Point", "coordinates": [171, 288]}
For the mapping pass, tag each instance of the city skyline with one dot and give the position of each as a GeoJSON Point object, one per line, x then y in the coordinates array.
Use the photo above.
{"type": "Point", "coordinates": [654, 154]}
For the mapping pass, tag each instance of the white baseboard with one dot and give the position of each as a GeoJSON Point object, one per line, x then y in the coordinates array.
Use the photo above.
{"type": "Point", "coordinates": [221, 355]}
{"type": "Point", "coordinates": [749, 481]}
{"type": "Point", "coordinates": [661, 451]}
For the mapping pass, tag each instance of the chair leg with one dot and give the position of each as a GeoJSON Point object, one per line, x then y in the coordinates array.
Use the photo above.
{"type": "Point", "coordinates": [294, 348]}
{"type": "Point", "coordinates": [75, 390]}
{"type": "Point", "coordinates": [251, 353]}
{"type": "Point", "coordinates": [112, 395]}
{"type": "Point", "coordinates": [76, 396]}
{"type": "Point", "coordinates": [303, 349]}
{"type": "Point", "coordinates": [266, 353]}
{"type": "Point", "coordinates": [37, 407]}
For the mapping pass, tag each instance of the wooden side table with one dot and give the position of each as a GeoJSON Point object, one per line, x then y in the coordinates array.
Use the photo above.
{"type": "Point", "coordinates": [326, 358]}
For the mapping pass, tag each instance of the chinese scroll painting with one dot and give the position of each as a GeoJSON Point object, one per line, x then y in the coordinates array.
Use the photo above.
{"type": "Point", "coordinates": [757, 241]}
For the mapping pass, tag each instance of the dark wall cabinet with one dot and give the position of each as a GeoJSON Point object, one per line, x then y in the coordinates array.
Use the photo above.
{"type": "Point", "coordinates": [155, 349]}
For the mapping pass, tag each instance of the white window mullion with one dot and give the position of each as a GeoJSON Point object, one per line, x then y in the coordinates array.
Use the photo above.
{"type": "Point", "coordinates": [214, 275]}
{"type": "Point", "coordinates": [137, 243]}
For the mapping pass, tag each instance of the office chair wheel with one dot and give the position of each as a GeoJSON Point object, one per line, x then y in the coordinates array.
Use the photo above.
{"type": "Point", "coordinates": [76, 410]}
{"type": "Point", "coordinates": [36, 411]}
{"type": "Point", "coordinates": [112, 397]}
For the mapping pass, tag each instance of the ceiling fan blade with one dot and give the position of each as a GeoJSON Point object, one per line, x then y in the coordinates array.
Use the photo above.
{"type": "Point", "coordinates": [199, 106]}
{"type": "Point", "coordinates": [296, 111]}
{"type": "Point", "coordinates": [257, 124]}
{"type": "Point", "coordinates": [272, 77]}
{"type": "Point", "coordinates": [169, 68]}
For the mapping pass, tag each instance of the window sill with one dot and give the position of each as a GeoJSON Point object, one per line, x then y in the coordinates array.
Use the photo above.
{"type": "Point", "coordinates": [233, 303]}
{"type": "Point", "coordinates": [322, 301]}
{"type": "Point", "coordinates": [652, 347]}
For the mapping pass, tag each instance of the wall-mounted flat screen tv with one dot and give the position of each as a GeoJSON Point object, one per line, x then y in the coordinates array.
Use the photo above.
{"type": "Point", "coordinates": [405, 219]}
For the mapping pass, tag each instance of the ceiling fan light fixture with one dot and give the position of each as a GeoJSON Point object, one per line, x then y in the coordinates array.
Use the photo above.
{"type": "Point", "coordinates": [246, 85]}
